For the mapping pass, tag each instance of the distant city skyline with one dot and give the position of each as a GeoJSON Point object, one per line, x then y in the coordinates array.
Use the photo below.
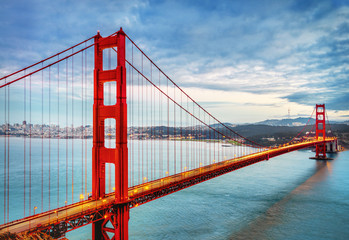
{"type": "Point", "coordinates": [243, 61]}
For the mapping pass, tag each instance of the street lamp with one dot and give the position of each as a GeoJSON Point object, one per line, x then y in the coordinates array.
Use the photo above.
{"type": "Point", "coordinates": [82, 205]}
{"type": "Point", "coordinates": [65, 209]}
{"type": "Point", "coordinates": [35, 209]}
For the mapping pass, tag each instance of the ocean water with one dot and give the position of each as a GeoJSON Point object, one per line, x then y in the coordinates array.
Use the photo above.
{"type": "Point", "coordinates": [287, 197]}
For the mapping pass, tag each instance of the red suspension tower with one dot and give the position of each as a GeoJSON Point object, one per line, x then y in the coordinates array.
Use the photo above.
{"type": "Point", "coordinates": [320, 131]}
{"type": "Point", "coordinates": [118, 215]}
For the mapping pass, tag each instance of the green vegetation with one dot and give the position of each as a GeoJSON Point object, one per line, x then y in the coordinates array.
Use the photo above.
{"type": "Point", "coordinates": [234, 142]}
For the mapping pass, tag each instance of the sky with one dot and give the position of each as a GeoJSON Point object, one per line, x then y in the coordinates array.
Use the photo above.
{"type": "Point", "coordinates": [243, 61]}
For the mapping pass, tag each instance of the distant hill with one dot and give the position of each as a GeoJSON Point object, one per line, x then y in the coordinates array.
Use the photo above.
{"type": "Point", "coordinates": [293, 122]}
{"type": "Point", "coordinates": [287, 122]}
{"type": "Point", "coordinates": [215, 125]}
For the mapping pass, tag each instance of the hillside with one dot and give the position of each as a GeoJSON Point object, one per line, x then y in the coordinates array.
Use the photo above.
{"type": "Point", "coordinates": [293, 122]}
{"type": "Point", "coordinates": [264, 134]}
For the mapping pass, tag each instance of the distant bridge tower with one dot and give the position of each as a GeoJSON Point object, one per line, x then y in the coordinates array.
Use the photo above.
{"type": "Point", "coordinates": [320, 131]}
{"type": "Point", "coordinates": [115, 221]}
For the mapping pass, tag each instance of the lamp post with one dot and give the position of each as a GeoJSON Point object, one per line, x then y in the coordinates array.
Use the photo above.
{"type": "Point", "coordinates": [82, 205]}
{"type": "Point", "coordinates": [35, 209]}
{"type": "Point", "coordinates": [65, 209]}
{"type": "Point", "coordinates": [56, 215]}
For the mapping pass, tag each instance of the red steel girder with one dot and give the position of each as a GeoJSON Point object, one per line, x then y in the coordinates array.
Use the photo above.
{"type": "Point", "coordinates": [119, 155]}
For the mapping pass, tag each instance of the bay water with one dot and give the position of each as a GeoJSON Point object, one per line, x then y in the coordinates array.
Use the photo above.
{"type": "Point", "coordinates": [287, 197]}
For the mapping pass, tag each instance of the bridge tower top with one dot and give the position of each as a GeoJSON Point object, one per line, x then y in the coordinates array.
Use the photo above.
{"type": "Point", "coordinates": [320, 122]}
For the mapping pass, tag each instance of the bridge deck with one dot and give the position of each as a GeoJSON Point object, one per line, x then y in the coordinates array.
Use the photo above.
{"type": "Point", "coordinates": [84, 212]}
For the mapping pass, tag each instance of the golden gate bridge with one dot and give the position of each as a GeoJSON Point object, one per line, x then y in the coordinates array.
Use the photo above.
{"type": "Point", "coordinates": [150, 139]}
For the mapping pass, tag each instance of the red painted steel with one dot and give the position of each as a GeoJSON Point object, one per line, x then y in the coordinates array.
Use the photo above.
{"type": "Point", "coordinates": [320, 131]}
{"type": "Point", "coordinates": [118, 155]}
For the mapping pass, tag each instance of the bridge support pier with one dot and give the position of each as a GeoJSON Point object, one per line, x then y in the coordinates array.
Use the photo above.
{"type": "Point", "coordinates": [115, 222]}
{"type": "Point", "coordinates": [114, 225]}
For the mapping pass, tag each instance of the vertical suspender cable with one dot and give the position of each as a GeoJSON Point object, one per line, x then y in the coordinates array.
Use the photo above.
{"type": "Point", "coordinates": [146, 124]}
{"type": "Point", "coordinates": [200, 141]}
{"type": "Point", "coordinates": [161, 133]}
{"type": "Point", "coordinates": [142, 126]}
{"type": "Point", "coordinates": [187, 135]}
{"type": "Point", "coordinates": [66, 130]}
{"type": "Point", "coordinates": [168, 132]}
{"type": "Point", "coordinates": [24, 137]}
{"type": "Point", "coordinates": [8, 154]}
{"type": "Point", "coordinates": [145, 132]}
{"type": "Point", "coordinates": [151, 125]}
{"type": "Point", "coordinates": [132, 123]}
{"type": "Point", "coordinates": [192, 142]}
{"type": "Point", "coordinates": [139, 124]}
{"type": "Point", "coordinates": [85, 88]}
{"type": "Point", "coordinates": [210, 145]}
{"type": "Point", "coordinates": [82, 122]}
{"type": "Point", "coordinates": [5, 149]}
{"type": "Point", "coordinates": [49, 138]}
{"type": "Point", "coordinates": [181, 133]}
{"type": "Point", "coordinates": [174, 131]}
{"type": "Point", "coordinates": [42, 140]}
{"type": "Point", "coordinates": [30, 144]}
{"type": "Point", "coordinates": [72, 127]}
{"type": "Point", "coordinates": [153, 138]}
{"type": "Point", "coordinates": [58, 132]}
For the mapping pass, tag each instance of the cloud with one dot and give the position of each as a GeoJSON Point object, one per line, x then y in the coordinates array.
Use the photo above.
{"type": "Point", "coordinates": [285, 52]}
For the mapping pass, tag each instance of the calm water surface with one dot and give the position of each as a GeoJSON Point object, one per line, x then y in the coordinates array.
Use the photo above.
{"type": "Point", "coordinates": [287, 197]}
